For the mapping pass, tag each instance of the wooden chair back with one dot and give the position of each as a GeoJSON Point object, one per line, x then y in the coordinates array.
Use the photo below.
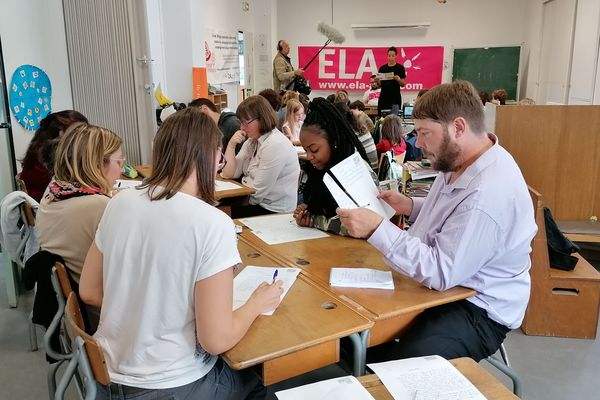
{"type": "Point", "coordinates": [75, 328]}
{"type": "Point", "coordinates": [27, 213]}
{"type": "Point", "coordinates": [20, 183]}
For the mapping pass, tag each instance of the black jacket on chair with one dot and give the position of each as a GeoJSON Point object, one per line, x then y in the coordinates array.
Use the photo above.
{"type": "Point", "coordinates": [38, 269]}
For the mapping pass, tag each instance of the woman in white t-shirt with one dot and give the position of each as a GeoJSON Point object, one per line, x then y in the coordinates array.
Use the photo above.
{"type": "Point", "coordinates": [293, 121]}
{"type": "Point", "coordinates": [161, 267]}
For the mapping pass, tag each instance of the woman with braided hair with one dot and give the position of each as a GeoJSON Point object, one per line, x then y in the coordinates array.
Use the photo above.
{"type": "Point", "coordinates": [328, 138]}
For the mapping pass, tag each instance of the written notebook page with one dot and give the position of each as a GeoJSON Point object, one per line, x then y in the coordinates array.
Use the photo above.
{"type": "Point", "coordinates": [354, 176]}
{"type": "Point", "coordinates": [251, 277]}
{"type": "Point", "coordinates": [424, 378]}
{"type": "Point", "coordinates": [280, 228]}
{"type": "Point", "coordinates": [344, 388]}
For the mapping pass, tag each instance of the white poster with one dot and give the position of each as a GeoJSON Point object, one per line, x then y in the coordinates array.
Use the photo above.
{"type": "Point", "coordinates": [222, 57]}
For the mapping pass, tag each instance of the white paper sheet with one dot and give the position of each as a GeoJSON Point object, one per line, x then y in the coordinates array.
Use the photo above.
{"type": "Point", "coordinates": [280, 228]}
{"type": "Point", "coordinates": [224, 185]}
{"type": "Point", "coordinates": [366, 278]}
{"type": "Point", "coordinates": [343, 388]}
{"type": "Point", "coordinates": [299, 149]}
{"type": "Point", "coordinates": [425, 378]}
{"type": "Point", "coordinates": [354, 176]}
{"type": "Point", "coordinates": [126, 184]}
{"type": "Point", "coordinates": [248, 280]}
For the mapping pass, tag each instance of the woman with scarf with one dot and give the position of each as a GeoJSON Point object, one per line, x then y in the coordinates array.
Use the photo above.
{"type": "Point", "coordinates": [88, 161]}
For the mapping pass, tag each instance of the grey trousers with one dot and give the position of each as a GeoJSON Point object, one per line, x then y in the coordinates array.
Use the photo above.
{"type": "Point", "coordinates": [221, 383]}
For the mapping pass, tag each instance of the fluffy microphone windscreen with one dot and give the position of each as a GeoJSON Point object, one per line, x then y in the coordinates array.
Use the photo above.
{"type": "Point", "coordinates": [331, 33]}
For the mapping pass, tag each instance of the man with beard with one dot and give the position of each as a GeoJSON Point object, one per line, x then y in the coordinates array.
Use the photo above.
{"type": "Point", "coordinates": [283, 72]}
{"type": "Point", "coordinates": [474, 229]}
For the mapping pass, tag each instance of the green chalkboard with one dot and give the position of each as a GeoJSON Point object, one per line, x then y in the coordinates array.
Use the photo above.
{"type": "Point", "coordinates": [489, 68]}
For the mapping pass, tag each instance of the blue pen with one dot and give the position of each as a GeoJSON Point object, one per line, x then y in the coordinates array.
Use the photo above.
{"type": "Point", "coordinates": [275, 275]}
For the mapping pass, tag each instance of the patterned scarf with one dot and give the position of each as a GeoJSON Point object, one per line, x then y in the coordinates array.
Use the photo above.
{"type": "Point", "coordinates": [62, 190]}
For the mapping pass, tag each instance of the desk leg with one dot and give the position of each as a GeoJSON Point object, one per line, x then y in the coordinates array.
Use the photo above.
{"type": "Point", "coordinates": [359, 341]}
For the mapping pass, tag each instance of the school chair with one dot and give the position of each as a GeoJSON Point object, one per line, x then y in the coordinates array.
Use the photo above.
{"type": "Point", "coordinates": [504, 367]}
{"type": "Point", "coordinates": [62, 288]}
{"type": "Point", "coordinates": [87, 359]}
{"type": "Point", "coordinates": [562, 303]}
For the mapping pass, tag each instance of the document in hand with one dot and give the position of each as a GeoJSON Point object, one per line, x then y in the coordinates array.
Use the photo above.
{"type": "Point", "coordinates": [356, 187]}
{"type": "Point", "coordinates": [429, 377]}
{"type": "Point", "coordinates": [248, 280]}
{"type": "Point", "coordinates": [365, 278]}
{"type": "Point", "coordinates": [343, 388]}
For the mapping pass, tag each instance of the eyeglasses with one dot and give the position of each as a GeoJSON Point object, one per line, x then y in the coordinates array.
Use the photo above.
{"type": "Point", "coordinates": [246, 123]}
{"type": "Point", "coordinates": [120, 161]}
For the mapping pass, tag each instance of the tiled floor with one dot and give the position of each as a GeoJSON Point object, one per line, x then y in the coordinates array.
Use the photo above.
{"type": "Point", "coordinates": [551, 368]}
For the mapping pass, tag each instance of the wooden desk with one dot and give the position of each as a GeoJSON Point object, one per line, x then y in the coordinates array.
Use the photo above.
{"type": "Point", "coordinates": [476, 374]}
{"type": "Point", "coordinates": [391, 310]}
{"type": "Point", "coordinates": [371, 111]}
{"type": "Point", "coordinates": [146, 170]}
{"type": "Point", "coordinates": [302, 335]}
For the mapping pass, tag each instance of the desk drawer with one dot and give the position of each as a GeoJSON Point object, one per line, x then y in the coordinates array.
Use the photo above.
{"type": "Point", "coordinates": [302, 361]}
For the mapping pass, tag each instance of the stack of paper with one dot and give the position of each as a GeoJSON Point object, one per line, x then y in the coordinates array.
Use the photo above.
{"type": "Point", "coordinates": [344, 388]}
{"type": "Point", "coordinates": [246, 282]}
{"type": "Point", "coordinates": [365, 278]}
{"type": "Point", "coordinates": [422, 378]}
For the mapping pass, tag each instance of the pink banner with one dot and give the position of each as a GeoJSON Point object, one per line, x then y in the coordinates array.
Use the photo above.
{"type": "Point", "coordinates": [349, 68]}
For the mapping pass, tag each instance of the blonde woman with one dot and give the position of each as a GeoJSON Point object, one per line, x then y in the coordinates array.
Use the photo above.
{"type": "Point", "coordinates": [293, 121]}
{"type": "Point", "coordinates": [88, 161]}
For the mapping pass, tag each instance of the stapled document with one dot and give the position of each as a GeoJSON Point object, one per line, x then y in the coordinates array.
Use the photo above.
{"type": "Point", "coordinates": [365, 278]}
{"type": "Point", "coordinates": [356, 187]}
{"type": "Point", "coordinates": [251, 277]}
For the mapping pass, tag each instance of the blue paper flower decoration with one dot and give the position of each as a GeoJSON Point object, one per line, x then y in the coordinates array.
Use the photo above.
{"type": "Point", "coordinates": [30, 93]}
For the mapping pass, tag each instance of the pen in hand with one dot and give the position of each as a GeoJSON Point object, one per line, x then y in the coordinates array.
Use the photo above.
{"type": "Point", "coordinates": [275, 276]}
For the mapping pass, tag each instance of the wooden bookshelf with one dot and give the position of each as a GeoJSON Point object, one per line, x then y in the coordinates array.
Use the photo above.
{"type": "Point", "coordinates": [220, 100]}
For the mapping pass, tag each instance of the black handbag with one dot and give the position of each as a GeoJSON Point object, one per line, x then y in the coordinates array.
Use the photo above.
{"type": "Point", "coordinates": [560, 247]}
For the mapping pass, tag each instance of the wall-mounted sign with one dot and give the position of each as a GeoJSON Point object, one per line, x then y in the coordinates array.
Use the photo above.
{"type": "Point", "coordinates": [222, 57]}
{"type": "Point", "coordinates": [350, 68]}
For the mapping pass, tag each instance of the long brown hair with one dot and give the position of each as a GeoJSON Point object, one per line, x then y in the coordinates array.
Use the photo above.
{"type": "Point", "coordinates": [186, 141]}
{"type": "Point", "coordinates": [82, 152]}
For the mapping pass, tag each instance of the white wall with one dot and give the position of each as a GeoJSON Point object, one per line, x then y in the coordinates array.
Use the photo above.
{"type": "Point", "coordinates": [33, 33]}
{"type": "Point", "coordinates": [456, 24]}
{"type": "Point", "coordinates": [178, 31]}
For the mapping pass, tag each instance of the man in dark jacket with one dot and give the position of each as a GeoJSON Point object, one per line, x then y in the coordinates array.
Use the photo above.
{"type": "Point", "coordinates": [227, 122]}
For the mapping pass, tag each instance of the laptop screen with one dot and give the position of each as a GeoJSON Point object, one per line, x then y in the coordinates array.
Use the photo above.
{"type": "Point", "coordinates": [407, 112]}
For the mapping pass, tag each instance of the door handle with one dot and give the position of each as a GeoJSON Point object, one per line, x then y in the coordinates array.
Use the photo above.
{"type": "Point", "coordinates": [4, 125]}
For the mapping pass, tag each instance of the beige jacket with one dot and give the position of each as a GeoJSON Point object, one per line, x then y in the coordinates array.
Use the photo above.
{"type": "Point", "coordinates": [283, 73]}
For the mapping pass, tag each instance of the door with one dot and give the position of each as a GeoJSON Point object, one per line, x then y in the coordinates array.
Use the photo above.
{"type": "Point", "coordinates": [7, 177]}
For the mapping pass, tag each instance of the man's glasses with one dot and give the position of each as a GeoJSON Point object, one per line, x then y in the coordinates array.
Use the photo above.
{"type": "Point", "coordinates": [246, 123]}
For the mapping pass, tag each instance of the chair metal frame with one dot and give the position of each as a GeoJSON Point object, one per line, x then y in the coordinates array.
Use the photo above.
{"type": "Point", "coordinates": [504, 367]}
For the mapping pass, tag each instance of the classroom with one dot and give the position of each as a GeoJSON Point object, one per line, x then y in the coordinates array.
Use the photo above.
{"type": "Point", "coordinates": [141, 76]}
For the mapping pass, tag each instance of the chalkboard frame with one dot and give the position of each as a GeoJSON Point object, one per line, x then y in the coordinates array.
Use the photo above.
{"type": "Point", "coordinates": [513, 92]}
